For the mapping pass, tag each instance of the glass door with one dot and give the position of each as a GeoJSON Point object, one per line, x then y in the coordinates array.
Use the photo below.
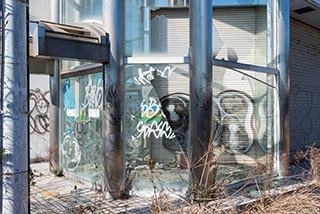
{"type": "Point", "coordinates": [81, 116]}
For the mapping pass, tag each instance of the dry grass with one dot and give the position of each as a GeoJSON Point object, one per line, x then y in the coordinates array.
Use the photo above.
{"type": "Point", "coordinates": [304, 200]}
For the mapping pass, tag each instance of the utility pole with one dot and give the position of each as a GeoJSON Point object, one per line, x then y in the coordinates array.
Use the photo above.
{"type": "Point", "coordinates": [14, 101]}
{"type": "Point", "coordinates": [55, 99]}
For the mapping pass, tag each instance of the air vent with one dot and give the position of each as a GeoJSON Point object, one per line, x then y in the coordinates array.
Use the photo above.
{"type": "Point", "coordinates": [304, 10]}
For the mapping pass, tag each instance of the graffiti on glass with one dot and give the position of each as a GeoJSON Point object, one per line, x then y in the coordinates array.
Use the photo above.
{"type": "Point", "coordinates": [94, 95]}
{"type": "Point", "coordinates": [71, 152]}
{"type": "Point", "coordinates": [176, 108]}
{"type": "Point", "coordinates": [235, 126]}
{"type": "Point", "coordinates": [146, 76]}
{"type": "Point", "coordinates": [151, 121]}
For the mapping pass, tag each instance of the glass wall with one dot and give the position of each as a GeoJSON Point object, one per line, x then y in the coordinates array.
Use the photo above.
{"type": "Point", "coordinates": [157, 95]}
{"type": "Point", "coordinates": [243, 122]}
{"type": "Point", "coordinates": [156, 99]}
{"type": "Point", "coordinates": [239, 33]}
{"type": "Point", "coordinates": [156, 126]}
{"type": "Point", "coordinates": [81, 116]}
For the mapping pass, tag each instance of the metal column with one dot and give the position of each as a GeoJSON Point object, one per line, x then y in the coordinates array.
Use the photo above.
{"type": "Point", "coordinates": [14, 115]}
{"type": "Point", "coordinates": [200, 86]}
{"type": "Point", "coordinates": [113, 166]}
{"type": "Point", "coordinates": [282, 45]}
{"type": "Point", "coordinates": [55, 99]}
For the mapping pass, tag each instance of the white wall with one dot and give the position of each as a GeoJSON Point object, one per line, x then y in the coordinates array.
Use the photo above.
{"type": "Point", "coordinates": [39, 116]}
{"type": "Point", "coordinates": [40, 9]}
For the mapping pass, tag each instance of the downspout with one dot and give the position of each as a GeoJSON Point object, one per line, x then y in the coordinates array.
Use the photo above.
{"type": "Point", "coordinates": [113, 76]}
{"type": "Point", "coordinates": [55, 99]}
{"type": "Point", "coordinates": [14, 115]}
{"type": "Point", "coordinates": [200, 69]}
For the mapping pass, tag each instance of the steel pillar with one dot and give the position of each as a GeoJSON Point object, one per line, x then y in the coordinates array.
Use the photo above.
{"type": "Point", "coordinates": [55, 99]}
{"type": "Point", "coordinates": [200, 87]}
{"type": "Point", "coordinates": [282, 45]}
{"type": "Point", "coordinates": [113, 157]}
{"type": "Point", "coordinates": [14, 115]}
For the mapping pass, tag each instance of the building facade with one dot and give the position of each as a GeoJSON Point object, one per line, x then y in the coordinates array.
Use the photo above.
{"type": "Point", "coordinates": [185, 76]}
{"type": "Point", "coordinates": [156, 104]}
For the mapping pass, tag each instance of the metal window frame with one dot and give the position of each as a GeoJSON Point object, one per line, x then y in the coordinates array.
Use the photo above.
{"type": "Point", "coordinates": [138, 60]}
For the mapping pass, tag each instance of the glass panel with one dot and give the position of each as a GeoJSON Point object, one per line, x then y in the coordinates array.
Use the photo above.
{"type": "Point", "coordinates": [243, 122]}
{"type": "Point", "coordinates": [151, 29]}
{"type": "Point", "coordinates": [81, 118]}
{"type": "Point", "coordinates": [165, 31]}
{"type": "Point", "coordinates": [74, 11]}
{"type": "Point", "coordinates": [239, 34]}
{"type": "Point", "coordinates": [157, 126]}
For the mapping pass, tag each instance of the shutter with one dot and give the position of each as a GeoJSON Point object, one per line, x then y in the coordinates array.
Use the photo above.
{"type": "Point", "coordinates": [244, 30]}
{"type": "Point", "coordinates": [304, 85]}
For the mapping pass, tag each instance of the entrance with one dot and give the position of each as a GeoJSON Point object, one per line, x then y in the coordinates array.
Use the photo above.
{"type": "Point", "coordinates": [81, 116]}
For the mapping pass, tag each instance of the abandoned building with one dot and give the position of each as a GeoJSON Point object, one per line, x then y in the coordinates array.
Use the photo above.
{"type": "Point", "coordinates": [115, 85]}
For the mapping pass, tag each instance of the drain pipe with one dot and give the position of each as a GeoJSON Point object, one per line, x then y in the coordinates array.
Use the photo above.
{"type": "Point", "coordinates": [14, 101]}
{"type": "Point", "coordinates": [113, 75]}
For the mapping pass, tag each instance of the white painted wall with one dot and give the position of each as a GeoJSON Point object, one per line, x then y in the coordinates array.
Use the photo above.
{"type": "Point", "coordinates": [39, 95]}
{"type": "Point", "coordinates": [39, 10]}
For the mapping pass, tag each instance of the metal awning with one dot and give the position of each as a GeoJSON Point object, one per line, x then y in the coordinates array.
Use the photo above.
{"type": "Point", "coordinates": [86, 41]}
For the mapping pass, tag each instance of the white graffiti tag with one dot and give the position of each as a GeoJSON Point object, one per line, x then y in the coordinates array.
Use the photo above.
{"type": "Point", "coordinates": [145, 77]}
{"type": "Point", "coordinates": [161, 129]}
{"type": "Point", "coordinates": [151, 122]}
{"type": "Point", "coordinates": [71, 153]}
{"type": "Point", "coordinates": [151, 110]}
{"type": "Point", "coordinates": [94, 96]}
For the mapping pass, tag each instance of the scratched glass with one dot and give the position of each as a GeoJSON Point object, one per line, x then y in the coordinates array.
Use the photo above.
{"type": "Point", "coordinates": [156, 127]}
{"type": "Point", "coordinates": [243, 123]}
{"type": "Point", "coordinates": [81, 117]}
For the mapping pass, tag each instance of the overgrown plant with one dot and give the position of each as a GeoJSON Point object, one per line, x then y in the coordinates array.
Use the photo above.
{"type": "Point", "coordinates": [207, 187]}
{"type": "Point", "coordinates": [312, 156]}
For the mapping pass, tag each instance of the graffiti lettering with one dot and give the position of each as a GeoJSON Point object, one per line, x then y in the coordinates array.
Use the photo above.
{"type": "Point", "coordinates": [93, 98]}
{"type": "Point", "coordinates": [151, 122]}
{"type": "Point", "coordinates": [150, 112]}
{"type": "Point", "coordinates": [161, 129]}
{"type": "Point", "coordinates": [145, 77]}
